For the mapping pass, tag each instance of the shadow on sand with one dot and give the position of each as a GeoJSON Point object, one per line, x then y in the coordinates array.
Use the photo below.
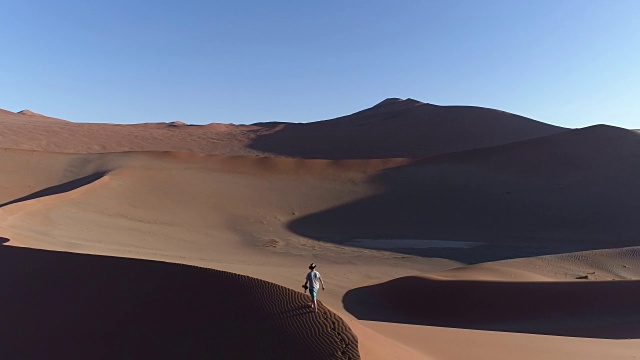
{"type": "Point", "coordinates": [568, 192]}
{"type": "Point", "coordinates": [59, 189]}
{"type": "Point", "coordinates": [56, 305]}
{"type": "Point", "coordinates": [607, 310]}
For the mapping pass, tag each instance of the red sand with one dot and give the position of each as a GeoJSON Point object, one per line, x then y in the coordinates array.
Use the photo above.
{"type": "Point", "coordinates": [268, 217]}
{"type": "Point", "coordinates": [392, 129]}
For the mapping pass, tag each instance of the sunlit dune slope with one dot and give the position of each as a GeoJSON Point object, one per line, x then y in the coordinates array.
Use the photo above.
{"type": "Point", "coordinates": [516, 300]}
{"type": "Point", "coordinates": [392, 129]}
{"type": "Point", "coordinates": [220, 212]}
{"type": "Point", "coordinates": [197, 201]}
{"type": "Point", "coordinates": [27, 116]}
{"type": "Point", "coordinates": [558, 295]}
{"type": "Point", "coordinates": [63, 305]}
{"type": "Point", "coordinates": [592, 265]}
{"type": "Point", "coordinates": [36, 132]}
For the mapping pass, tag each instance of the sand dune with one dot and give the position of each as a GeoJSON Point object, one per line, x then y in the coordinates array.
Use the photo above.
{"type": "Point", "coordinates": [392, 129]}
{"type": "Point", "coordinates": [268, 217]}
{"type": "Point", "coordinates": [585, 149]}
{"type": "Point", "coordinates": [28, 115]}
{"type": "Point", "coordinates": [82, 306]}
{"type": "Point", "coordinates": [400, 128]}
{"type": "Point", "coordinates": [571, 191]}
{"type": "Point", "coordinates": [593, 265]}
{"type": "Point", "coordinates": [529, 296]}
{"type": "Point", "coordinates": [35, 132]}
{"type": "Point", "coordinates": [569, 308]}
{"type": "Point", "coordinates": [214, 212]}
{"type": "Point", "coordinates": [235, 213]}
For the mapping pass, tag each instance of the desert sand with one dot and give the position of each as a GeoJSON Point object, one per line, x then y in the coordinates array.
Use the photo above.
{"type": "Point", "coordinates": [394, 128]}
{"type": "Point", "coordinates": [201, 236]}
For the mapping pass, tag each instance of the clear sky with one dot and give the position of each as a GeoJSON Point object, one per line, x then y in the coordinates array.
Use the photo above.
{"type": "Point", "coordinates": [567, 62]}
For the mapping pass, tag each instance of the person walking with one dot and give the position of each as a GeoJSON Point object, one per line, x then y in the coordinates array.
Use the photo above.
{"type": "Point", "coordinates": [314, 280]}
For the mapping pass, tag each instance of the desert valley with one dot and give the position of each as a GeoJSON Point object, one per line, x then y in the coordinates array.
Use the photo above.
{"type": "Point", "coordinates": [441, 232]}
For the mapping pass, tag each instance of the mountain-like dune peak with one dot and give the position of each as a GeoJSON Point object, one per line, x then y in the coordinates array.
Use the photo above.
{"type": "Point", "coordinates": [25, 114]}
{"type": "Point", "coordinates": [28, 112]}
{"type": "Point", "coordinates": [401, 128]}
{"type": "Point", "coordinates": [177, 123]}
{"type": "Point", "coordinates": [395, 104]}
{"type": "Point", "coordinates": [391, 100]}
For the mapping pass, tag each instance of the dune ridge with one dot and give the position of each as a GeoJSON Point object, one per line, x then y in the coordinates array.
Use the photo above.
{"type": "Point", "coordinates": [561, 308]}
{"type": "Point", "coordinates": [394, 128]}
{"type": "Point", "coordinates": [115, 307]}
{"type": "Point", "coordinates": [400, 129]}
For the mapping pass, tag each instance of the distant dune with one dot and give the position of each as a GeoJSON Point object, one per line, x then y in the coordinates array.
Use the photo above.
{"type": "Point", "coordinates": [401, 128]}
{"type": "Point", "coordinates": [28, 114]}
{"type": "Point", "coordinates": [37, 132]}
{"type": "Point", "coordinates": [394, 128]}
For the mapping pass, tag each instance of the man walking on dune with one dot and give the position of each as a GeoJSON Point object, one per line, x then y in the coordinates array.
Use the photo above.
{"type": "Point", "coordinates": [314, 280]}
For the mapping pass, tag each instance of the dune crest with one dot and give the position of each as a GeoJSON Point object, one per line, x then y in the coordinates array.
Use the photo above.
{"type": "Point", "coordinates": [117, 307]}
{"type": "Point", "coordinates": [570, 308]}
{"type": "Point", "coordinates": [394, 128]}
{"type": "Point", "coordinates": [28, 112]}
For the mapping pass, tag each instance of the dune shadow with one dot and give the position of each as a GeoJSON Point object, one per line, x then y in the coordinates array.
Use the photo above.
{"type": "Point", "coordinates": [397, 128]}
{"type": "Point", "coordinates": [58, 305]}
{"type": "Point", "coordinates": [59, 189]}
{"type": "Point", "coordinates": [544, 196]}
{"type": "Point", "coordinates": [606, 310]}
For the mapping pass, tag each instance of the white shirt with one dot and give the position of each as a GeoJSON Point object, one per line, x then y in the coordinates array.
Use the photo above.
{"type": "Point", "coordinates": [314, 279]}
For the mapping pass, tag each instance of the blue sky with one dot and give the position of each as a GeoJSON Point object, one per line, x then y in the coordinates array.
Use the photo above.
{"type": "Point", "coordinates": [570, 63]}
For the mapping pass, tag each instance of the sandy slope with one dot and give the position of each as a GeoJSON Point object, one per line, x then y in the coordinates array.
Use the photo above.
{"type": "Point", "coordinates": [206, 200]}
{"type": "Point", "coordinates": [561, 193]}
{"type": "Point", "coordinates": [401, 128]}
{"type": "Point", "coordinates": [235, 214]}
{"type": "Point", "coordinates": [62, 305]}
{"type": "Point", "coordinates": [33, 132]}
{"type": "Point", "coordinates": [585, 309]}
{"type": "Point", "coordinates": [533, 286]}
{"type": "Point", "coordinates": [575, 190]}
{"type": "Point", "coordinates": [392, 129]}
